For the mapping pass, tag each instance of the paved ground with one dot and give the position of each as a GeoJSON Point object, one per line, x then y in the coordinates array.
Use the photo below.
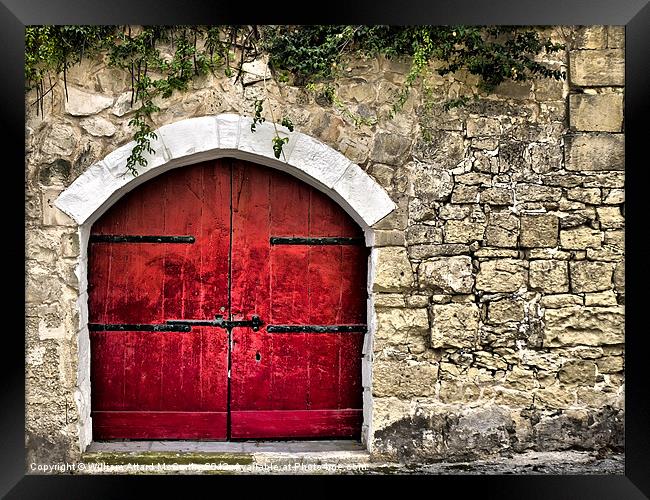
{"type": "Point", "coordinates": [316, 457]}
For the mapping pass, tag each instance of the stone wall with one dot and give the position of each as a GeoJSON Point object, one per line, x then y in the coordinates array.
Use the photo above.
{"type": "Point", "coordinates": [497, 283]}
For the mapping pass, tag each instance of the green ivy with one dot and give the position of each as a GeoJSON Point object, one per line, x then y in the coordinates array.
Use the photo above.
{"type": "Point", "coordinates": [310, 55]}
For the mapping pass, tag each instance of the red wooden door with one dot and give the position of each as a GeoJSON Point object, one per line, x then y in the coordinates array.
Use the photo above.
{"type": "Point", "coordinates": [234, 239]}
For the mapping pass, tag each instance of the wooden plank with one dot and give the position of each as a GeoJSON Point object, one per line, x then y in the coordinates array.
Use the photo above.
{"type": "Point", "coordinates": [158, 425]}
{"type": "Point", "coordinates": [296, 424]}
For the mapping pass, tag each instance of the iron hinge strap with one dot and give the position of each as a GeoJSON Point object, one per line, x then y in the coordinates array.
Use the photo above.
{"type": "Point", "coordinates": [255, 322]}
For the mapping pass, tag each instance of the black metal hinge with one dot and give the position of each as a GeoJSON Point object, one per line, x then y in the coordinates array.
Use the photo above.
{"type": "Point", "coordinates": [317, 328]}
{"type": "Point", "coordinates": [255, 322]}
{"type": "Point", "coordinates": [133, 238]}
{"type": "Point", "coordinates": [137, 327]}
{"type": "Point", "coordinates": [285, 240]}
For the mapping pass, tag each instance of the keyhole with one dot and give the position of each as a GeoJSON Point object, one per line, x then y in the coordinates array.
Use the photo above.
{"type": "Point", "coordinates": [258, 357]}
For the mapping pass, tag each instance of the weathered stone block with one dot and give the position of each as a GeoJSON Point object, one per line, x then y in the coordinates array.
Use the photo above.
{"type": "Point", "coordinates": [601, 67]}
{"type": "Point", "coordinates": [555, 397]}
{"type": "Point", "coordinates": [502, 275]}
{"type": "Point", "coordinates": [483, 126]}
{"type": "Point", "coordinates": [580, 238]}
{"type": "Point", "coordinates": [615, 37]}
{"type": "Point", "coordinates": [607, 298]}
{"type": "Point", "coordinates": [587, 276]}
{"type": "Point", "coordinates": [82, 103]}
{"type": "Point", "coordinates": [578, 325]}
{"type": "Point", "coordinates": [549, 276]}
{"type": "Point", "coordinates": [393, 271]}
{"type": "Point", "coordinates": [589, 152]}
{"type": "Point", "coordinates": [610, 218]}
{"type": "Point", "coordinates": [591, 37]}
{"type": "Point", "coordinates": [585, 195]}
{"type": "Point", "coordinates": [578, 372]}
{"type": "Point", "coordinates": [430, 181]}
{"type": "Point", "coordinates": [390, 148]}
{"type": "Point", "coordinates": [404, 379]}
{"type": "Point", "coordinates": [98, 126]}
{"type": "Point", "coordinates": [427, 251]}
{"type": "Point", "coordinates": [422, 233]}
{"type": "Point", "coordinates": [502, 311]}
{"type": "Point", "coordinates": [465, 194]}
{"type": "Point", "coordinates": [596, 112]}
{"type": "Point", "coordinates": [502, 230]}
{"type": "Point", "coordinates": [399, 326]}
{"type": "Point", "coordinates": [384, 238]}
{"type": "Point", "coordinates": [538, 230]}
{"type": "Point", "coordinates": [560, 300]}
{"type": "Point", "coordinates": [454, 325]}
{"type": "Point", "coordinates": [448, 275]}
{"type": "Point", "coordinates": [537, 192]}
{"type": "Point", "coordinates": [497, 196]}
{"type": "Point", "coordinates": [463, 231]}
{"type": "Point", "coordinates": [52, 216]}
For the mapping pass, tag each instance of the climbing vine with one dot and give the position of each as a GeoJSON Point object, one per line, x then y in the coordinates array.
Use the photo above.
{"type": "Point", "coordinates": [162, 60]}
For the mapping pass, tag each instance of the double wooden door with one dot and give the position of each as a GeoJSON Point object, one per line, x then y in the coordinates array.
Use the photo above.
{"type": "Point", "coordinates": [227, 301]}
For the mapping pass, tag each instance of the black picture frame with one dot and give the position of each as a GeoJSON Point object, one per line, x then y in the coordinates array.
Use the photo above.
{"type": "Point", "coordinates": [634, 14]}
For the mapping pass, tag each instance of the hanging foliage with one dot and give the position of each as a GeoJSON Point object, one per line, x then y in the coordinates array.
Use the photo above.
{"type": "Point", "coordinates": [310, 55]}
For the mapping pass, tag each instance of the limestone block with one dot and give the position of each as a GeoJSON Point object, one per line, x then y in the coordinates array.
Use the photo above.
{"type": "Point", "coordinates": [427, 251]}
{"type": "Point", "coordinates": [619, 276]}
{"type": "Point", "coordinates": [98, 126]}
{"type": "Point", "coordinates": [587, 276]}
{"type": "Point", "coordinates": [591, 37]}
{"type": "Point", "coordinates": [404, 379]}
{"type": "Point", "coordinates": [610, 364]}
{"type": "Point", "coordinates": [389, 148]}
{"type": "Point", "coordinates": [615, 37]}
{"type": "Point", "coordinates": [555, 397]}
{"type": "Point", "coordinates": [538, 230]}
{"type": "Point", "coordinates": [596, 112]}
{"type": "Point", "coordinates": [388, 300]}
{"type": "Point", "coordinates": [431, 182]}
{"type": "Point", "coordinates": [421, 233]}
{"type": "Point", "coordinates": [607, 298]}
{"type": "Point", "coordinates": [578, 372]}
{"type": "Point", "coordinates": [590, 196]}
{"type": "Point", "coordinates": [82, 103]}
{"type": "Point", "coordinates": [398, 326]}
{"type": "Point", "coordinates": [580, 238]}
{"type": "Point", "coordinates": [560, 300]}
{"type": "Point", "coordinates": [60, 141]}
{"type": "Point", "coordinates": [549, 276]}
{"type": "Point", "coordinates": [602, 67]}
{"type": "Point", "coordinates": [502, 275]}
{"type": "Point", "coordinates": [502, 230]}
{"type": "Point", "coordinates": [465, 194]}
{"type": "Point", "coordinates": [502, 311]}
{"type": "Point", "coordinates": [52, 215]}
{"type": "Point", "coordinates": [387, 238]}
{"type": "Point", "coordinates": [614, 197]}
{"type": "Point", "coordinates": [448, 275]}
{"type": "Point", "coordinates": [497, 196]}
{"type": "Point", "coordinates": [589, 152]}
{"type": "Point", "coordinates": [483, 127]}
{"type": "Point", "coordinates": [393, 271]}
{"type": "Point", "coordinates": [537, 192]}
{"type": "Point", "coordinates": [578, 325]}
{"type": "Point", "coordinates": [122, 104]}
{"type": "Point", "coordinates": [610, 218]}
{"type": "Point", "coordinates": [454, 325]}
{"type": "Point", "coordinates": [463, 231]}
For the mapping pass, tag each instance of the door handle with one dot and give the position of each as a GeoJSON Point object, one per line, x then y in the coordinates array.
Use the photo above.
{"type": "Point", "coordinates": [255, 322]}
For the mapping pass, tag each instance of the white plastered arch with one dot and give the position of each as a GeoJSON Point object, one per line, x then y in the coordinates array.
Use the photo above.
{"type": "Point", "coordinates": [195, 140]}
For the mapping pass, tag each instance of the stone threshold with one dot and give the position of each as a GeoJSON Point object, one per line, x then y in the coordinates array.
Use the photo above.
{"type": "Point", "coordinates": [317, 457]}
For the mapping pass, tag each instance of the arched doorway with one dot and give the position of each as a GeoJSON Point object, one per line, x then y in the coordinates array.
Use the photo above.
{"type": "Point", "coordinates": [226, 301]}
